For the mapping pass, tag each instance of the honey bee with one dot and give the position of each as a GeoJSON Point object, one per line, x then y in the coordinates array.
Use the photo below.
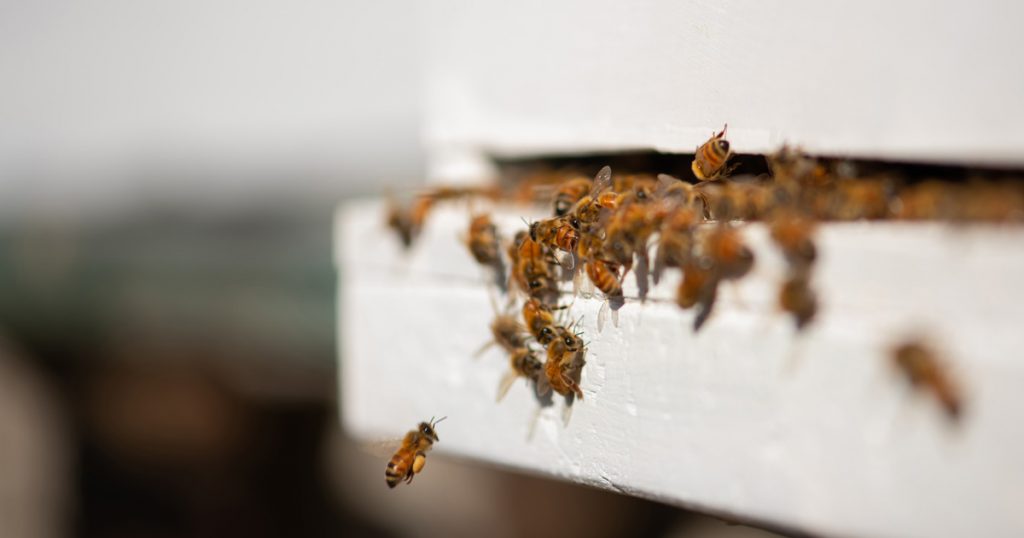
{"type": "Point", "coordinates": [926, 200]}
{"type": "Point", "coordinates": [699, 287]}
{"type": "Point", "coordinates": [483, 244]}
{"type": "Point", "coordinates": [793, 234]}
{"type": "Point", "coordinates": [524, 364]}
{"type": "Point", "coordinates": [797, 298]}
{"type": "Point", "coordinates": [540, 321]}
{"type": "Point", "coordinates": [627, 234]}
{"type": "Point", "coordinates": [863, 198]}
{"type": "Point", "coordinates": [675, 192]}
{"type": "Point", "coordinates": [925, 371]}
{"type": "Point", "coordinates": [566, 358]}
{"type": "Point", "coordinates": [408, 221]}
{"type": "Point", "coordinates": [793, 169]}
{"type": "Point", "coordinates": [531, 271]}
{"type": "Point", "coordinates": [570, 192]}
{"type": "Point", "coordinates": [588, 211]}
{"type": "Point", "coordinates": [731, 257]}
{"type": "Point", "coordinates": [506, 332]}
{"type": "Point", "coordinates": [710, 158]}
{"type": "Point", "coordinates": [721, 256]}
{"type": "Point", "coordinates": [410, 457]}
{"type": "Point", "coordinates": [555, 233]}
{"type": "Point", "coordinates": [676, 240]}
{"type": "Point", "coordinates": [605, 276]}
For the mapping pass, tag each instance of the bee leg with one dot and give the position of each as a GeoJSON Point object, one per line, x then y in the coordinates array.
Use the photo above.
{"type": "Point", "coordinates": [500, 280]}
{"type": "Point", "coordinates": [617, 300]}
{"type": "Point", "coordinates": [659, 266]}
{"type": "Point", "coordinates": [705, 305]}
{"type": "Point", "coordinates": [642, 273]}
{"type": "Point", "coordinates": [532, 428]}
{"type": "Point", "coordinates": [505, 383]}
{"type": "Point", "coordinates": [567, 411]}
{"type": "Point", "coordinates": [574, 387]}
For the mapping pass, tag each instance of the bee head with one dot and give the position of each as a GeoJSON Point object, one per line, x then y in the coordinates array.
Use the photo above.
{"type": "Point", "coordinates": [427, 429]}
{"type": "Point", "coordinates": [724, 145]}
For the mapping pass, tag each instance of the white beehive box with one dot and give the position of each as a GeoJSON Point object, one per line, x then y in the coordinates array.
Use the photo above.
{"type": "Point", "coordinates": [811, 431]}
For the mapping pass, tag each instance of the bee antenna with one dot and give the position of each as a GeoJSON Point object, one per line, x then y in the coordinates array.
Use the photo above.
{"type": "Point", "coordinates": [438, 421]}
{"type": "Point", "coordinates": [526, 222]}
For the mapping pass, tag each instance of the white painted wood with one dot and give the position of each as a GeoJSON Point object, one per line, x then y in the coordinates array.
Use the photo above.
{"type": "Point", "coordinates": [875, 79]}
{"type": "Point", "coordinates": [814, 432]}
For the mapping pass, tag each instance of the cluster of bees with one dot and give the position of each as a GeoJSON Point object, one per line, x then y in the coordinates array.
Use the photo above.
{"type": "Point", "coordinates": [601, 229]}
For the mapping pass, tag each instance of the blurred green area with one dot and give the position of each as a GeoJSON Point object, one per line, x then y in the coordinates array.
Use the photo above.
{"type": "Point", "coordinates": [253, 285]}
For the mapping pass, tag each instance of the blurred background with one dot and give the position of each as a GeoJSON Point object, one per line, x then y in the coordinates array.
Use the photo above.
{"type": "Point", "coordinates": [168, 173]}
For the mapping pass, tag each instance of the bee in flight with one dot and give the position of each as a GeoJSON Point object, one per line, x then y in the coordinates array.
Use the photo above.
{"type": "Point", "coordinates": [709, 161]}
{"type": "Point", "coordinates": [409, 459]}
{"type": "Point", "coordinates": [925, 371]}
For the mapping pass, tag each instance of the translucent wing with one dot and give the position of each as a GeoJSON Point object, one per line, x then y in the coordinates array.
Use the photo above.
{"type": "Point", "coordinates": [506, 383]}
{"type": "Point", "coordinates": [602, 181]}
{"type": "Point", "coordinates": [383, 447]}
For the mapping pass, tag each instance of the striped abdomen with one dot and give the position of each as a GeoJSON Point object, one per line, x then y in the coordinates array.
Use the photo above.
{"type": "Point", "coordinates": [539, 321]}
{"type": "Point", "coordinates": [399, 467]}
{"type": "Point", "coordinates": [605, 278]}
{"type": "Point", "coordinates": [709, 161]}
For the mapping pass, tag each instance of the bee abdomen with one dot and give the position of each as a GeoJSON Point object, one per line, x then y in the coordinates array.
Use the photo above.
{"type": "Point", "coordinates": [567, 238]}
{"type": "Point", "coordinates": [394, 474]}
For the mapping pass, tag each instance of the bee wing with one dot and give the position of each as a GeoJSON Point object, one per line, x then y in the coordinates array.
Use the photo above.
{"type": "Point", "coordinates": [567, 260]}
{"type": "Point", "coordinates": [665, 181]}
{"type": "Point", "coordinates": [602, 181]}
{"type": "Point", "coordinates": [543, 386]}
{"type": "Point", "coordinates": [483, 349]}
{"type": "Point", "coordinates": [383, 447]}
{"type": "Point", "coordinates": [505, 383]}
{"type": "Point", "coordinates": [543, 192]}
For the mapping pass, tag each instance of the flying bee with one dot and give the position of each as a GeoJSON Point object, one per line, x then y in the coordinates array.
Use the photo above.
{"type": "Point", "coordinates": [484, 246]}
{"type": "Point", "coordinates": [710, 158]}
{"type": "Point", "coordinates": [794, 236]}
{"type": "Point", "coordinates": [570, 192]}
{"type": "Point", "coordinates": [524, 364]}
{"type": "Point", "coordinates": [797, 298]}
{"type": "Point", "coordinates": [565, 360]}
{"type": "Point", "coordinates": [540, 320]}
{"type": "Point", "coordinates": [925, 371]}
{"type": "Point", "coordinates": [410, 457]}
